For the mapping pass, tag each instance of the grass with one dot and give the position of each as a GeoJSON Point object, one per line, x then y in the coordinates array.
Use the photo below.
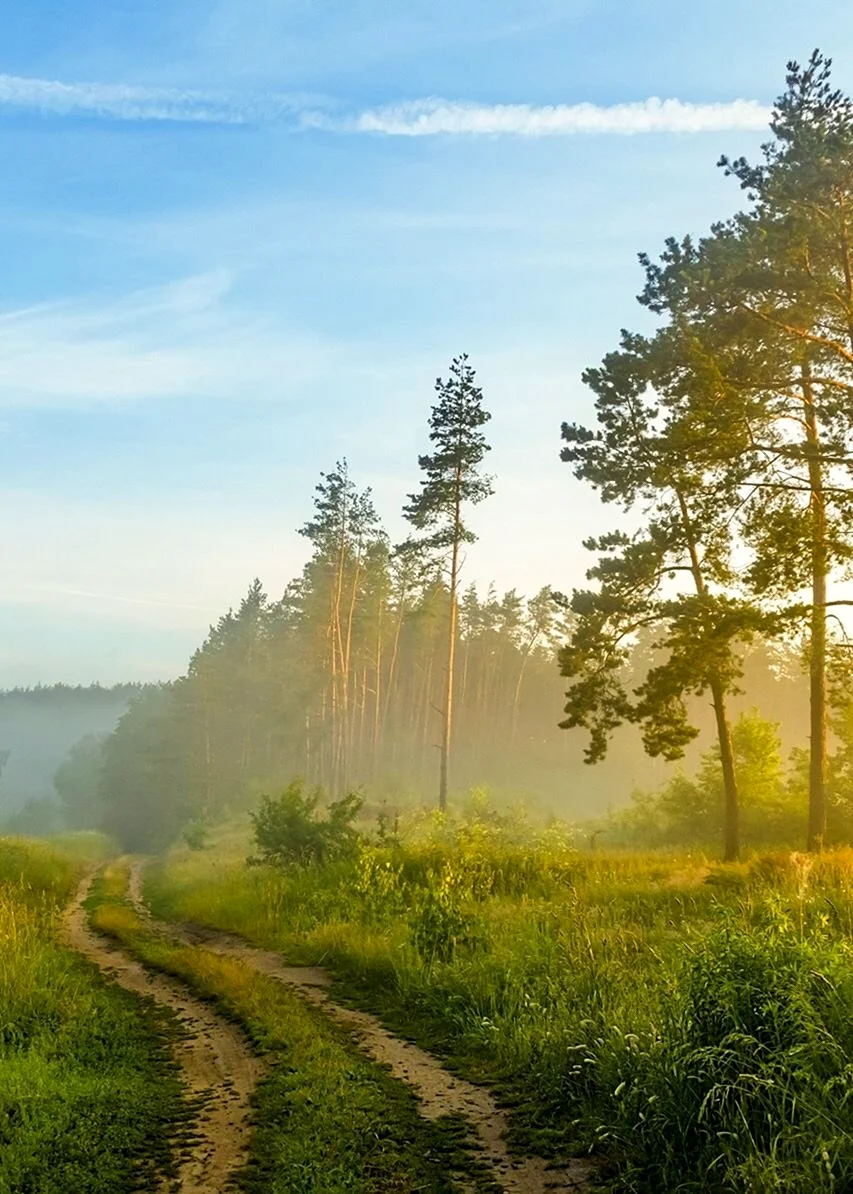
{"type": "Point", "coordinates": [327, 1120]}
{"type": "Point", "coordinates": [692, 1024]}
{"type": "Point", "coordinates": [88, 1095]}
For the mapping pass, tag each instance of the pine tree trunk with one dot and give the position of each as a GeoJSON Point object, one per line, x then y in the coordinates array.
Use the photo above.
{"type": "Point", "coordinates": [377, 692]}
{"type": "Point", "coordinates": [817, 655]}
{"type": "Point", "coordinates": [731, 832]}
{"type": "Point", "coordinates": [362, 721]}
{"type": "Point", "coordinates": [731, 799]}
{"type": "Point", "coordinates": [392, 684]}
{"type": "Point", "coordinates": [448, 706]}
{"type": "Point", "coordinates": [451, 651]}
{"type": "Point", "coordinates": [349, 711]}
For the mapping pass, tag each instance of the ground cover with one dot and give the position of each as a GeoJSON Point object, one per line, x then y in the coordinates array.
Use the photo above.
{"type": "Point", "coordinates": [89, 1098]}
{"type": "Point", "coordinates": [691, 1023]}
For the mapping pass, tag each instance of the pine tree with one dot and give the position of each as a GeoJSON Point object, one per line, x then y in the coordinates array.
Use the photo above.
{"type": "Point", "coordinates": [344, 531]}
{"type": "Point", "coordinates": [452, 481]}
{"type": "Point", "coordinates": [652, 454]}
{"type": "Point", "coordinates": [769, 298]}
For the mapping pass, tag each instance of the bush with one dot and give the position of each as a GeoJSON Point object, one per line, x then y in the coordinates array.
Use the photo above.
{"type": "Point", "coordinates": [288, 830]}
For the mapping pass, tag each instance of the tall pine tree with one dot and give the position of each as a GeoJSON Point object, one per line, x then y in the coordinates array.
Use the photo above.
{"type": "Point", "coordinates": [452, 480]}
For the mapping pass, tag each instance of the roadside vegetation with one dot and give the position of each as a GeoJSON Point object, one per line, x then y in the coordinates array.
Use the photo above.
{"type": "Point", "coordinates": [691, 1023]}
{"type": "Point", "coordinates": [89, 1098]}
{"type": "Point", "coordinates": [327, 1119]}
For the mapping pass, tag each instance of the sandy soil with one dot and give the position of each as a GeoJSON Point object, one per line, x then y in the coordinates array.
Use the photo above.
{"type": "Point", "coordinates": [218, 1067]}
{"type": "Point", "coordinates": [439, 1092]}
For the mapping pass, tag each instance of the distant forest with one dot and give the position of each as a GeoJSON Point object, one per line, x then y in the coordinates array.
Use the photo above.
{"type": "Point", "coordinates": [38, 728]}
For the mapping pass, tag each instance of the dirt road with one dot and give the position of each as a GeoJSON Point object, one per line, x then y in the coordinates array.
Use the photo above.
{"type": "Point", "coordinates": [218, 1067]}
{"type": "Point", "coordinates": [439, 1092]}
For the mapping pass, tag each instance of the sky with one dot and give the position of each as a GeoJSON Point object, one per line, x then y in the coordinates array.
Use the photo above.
{"type": "Point", "coordinates": [240, 239]}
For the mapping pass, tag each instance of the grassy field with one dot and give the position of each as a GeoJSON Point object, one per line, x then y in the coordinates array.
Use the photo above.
{"type": "Point", "coordinates": [692, 1024]}
{"type": "Point", "coordinates": [327, 1120]}
{"type": "Point", "coordinates": [88, 1096]}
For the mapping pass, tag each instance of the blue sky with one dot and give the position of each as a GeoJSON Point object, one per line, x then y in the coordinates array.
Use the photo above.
{"type": "Point", "coordinates": [241, 238]}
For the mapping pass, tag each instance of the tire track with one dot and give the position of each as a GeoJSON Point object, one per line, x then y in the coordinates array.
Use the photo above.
{"type": "Point", "coordinates": [439, 1092]}
{"type": "Point", "coordinates": [218, 1068]}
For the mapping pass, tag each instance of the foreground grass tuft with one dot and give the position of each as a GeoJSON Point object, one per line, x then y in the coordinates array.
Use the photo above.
{"type": "Point", "coordinates": [88, 1094]}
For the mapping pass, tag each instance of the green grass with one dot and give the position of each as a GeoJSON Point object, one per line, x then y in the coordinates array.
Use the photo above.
{"type": "Point", "coordinates": [691, 1024]}
{"type": "Point", "coordinates": [88, 1094]}
{"type": "Point", "coordinates": [327, 1119]}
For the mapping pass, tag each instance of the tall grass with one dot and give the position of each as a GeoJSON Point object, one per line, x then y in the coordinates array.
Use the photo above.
{"type": "Point", "coordinates": [87, 1090]}
{"type": "Point", "coordinates": [692, 1023]}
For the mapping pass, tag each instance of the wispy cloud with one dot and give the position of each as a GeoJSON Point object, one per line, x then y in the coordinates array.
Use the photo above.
{"type": "Point", "coordinates": [431, 117]}
{"type": "Point", "coordinates": [187, 339]}
{"type": "Point", "coordinates": [180, 339]}
{"type": "Point", "coordinates": [418, 118]}
{"type": "Point", "coordinates": [117, 101]}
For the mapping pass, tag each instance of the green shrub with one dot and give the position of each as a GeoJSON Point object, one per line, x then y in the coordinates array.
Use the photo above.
{"type": "Point", "coordinates": [288, 829]}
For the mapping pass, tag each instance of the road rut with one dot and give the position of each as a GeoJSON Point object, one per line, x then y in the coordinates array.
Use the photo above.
{"type": "Point", "coordinates": [218, 1067]}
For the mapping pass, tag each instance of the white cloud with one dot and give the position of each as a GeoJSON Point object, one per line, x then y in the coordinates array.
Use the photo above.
{"type": "Point", "coordinates": [432, 117]}
{"type": "Point", "coordinates": [123, 102]}
{"type": "Point", "coordinates": [417, 118]}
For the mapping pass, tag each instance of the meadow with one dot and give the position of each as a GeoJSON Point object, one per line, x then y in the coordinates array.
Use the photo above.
{"type": "Point", "coordinates": [687, 1022]}
{"type": "Point", "coordinates": [88, 1095]}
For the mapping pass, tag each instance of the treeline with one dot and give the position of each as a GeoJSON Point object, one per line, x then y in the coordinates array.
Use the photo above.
{"type": "Point", "coordinates": [729, 433]}
{"type": "Point", "coordinates": [342, 681]}
{"type": "Point", "coordinates": [257, 707]}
